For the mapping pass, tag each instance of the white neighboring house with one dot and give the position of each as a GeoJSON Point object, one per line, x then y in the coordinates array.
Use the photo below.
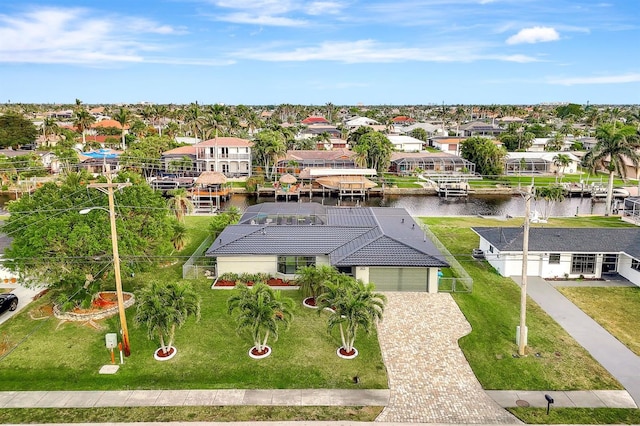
{"type": "Point", "coordinates": [406, 143]}
{"type": "Point", "coordinates": [538, 162]}
{"type": "Point", "coordinates": [564, 252]}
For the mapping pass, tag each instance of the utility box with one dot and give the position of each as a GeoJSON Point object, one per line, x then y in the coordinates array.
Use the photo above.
{"type": "Point", "coordinates": [111, 340]}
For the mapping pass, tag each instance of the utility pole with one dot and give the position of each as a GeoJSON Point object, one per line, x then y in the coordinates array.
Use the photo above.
{"type": "Point", "coordinates": [522, 338]}
{"type": "Point", "coordinates": [107, 188]}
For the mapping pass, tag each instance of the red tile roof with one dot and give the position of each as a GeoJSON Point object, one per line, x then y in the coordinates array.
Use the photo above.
{"type": "Point", "coordinates": [402, 119]}
{"type": "Point", "coordinates": [108, 123]}
{"type": "Point", "coordinates": [315, 120]}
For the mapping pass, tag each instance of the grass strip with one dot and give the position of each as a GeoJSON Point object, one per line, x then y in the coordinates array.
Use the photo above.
{"type": "Point", "coordinates": [569, 416]}
{"type": "Point", "coordinates": [187, 414]}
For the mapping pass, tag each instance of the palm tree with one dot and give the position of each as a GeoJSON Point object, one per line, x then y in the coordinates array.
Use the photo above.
{"type": "Point", "coordinates": [311, 280]}
{"type": "Point", "coordinates": [49, 127]}
{"type": "Point", "coordinates": [180, 203]}
{"type": "Point", "coordinates": [83, 121]}
{"type": "Point", "coordinates": [353, 305]}
{"type": "Point", "coordinates": [179, 237]}
{"type": "Point", "coordinates": [562, 161]}
{"type": "Point", "coordinates": [123, 117]}
{"type": "Point", "coordinates": [164, 307]}
{"type": "Point", "coordinates": [261, 311]}
{"type": "Point", "coordinates": [614, 148]}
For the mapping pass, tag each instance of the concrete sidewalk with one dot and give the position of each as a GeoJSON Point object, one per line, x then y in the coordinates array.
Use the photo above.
{"type": "Point", "coordinates": [565, 399]}
{"type": "Point", "coordinates": [173, 398]}
{"type": "Point", "coordinates": [287, 397]}
{"type": "Point", "coordinates": [615, 357]}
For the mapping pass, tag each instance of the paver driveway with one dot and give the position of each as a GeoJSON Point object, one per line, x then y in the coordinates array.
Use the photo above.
{"type": "Point", "coordinates": [429, 377]}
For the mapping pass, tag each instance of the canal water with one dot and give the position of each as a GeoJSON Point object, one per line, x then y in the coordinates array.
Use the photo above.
{"type": "Point", "coordinates": [429, 205]}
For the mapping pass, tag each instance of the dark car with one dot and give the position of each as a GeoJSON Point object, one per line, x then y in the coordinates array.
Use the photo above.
{"type": "Point", "coordinates": [8, 302]}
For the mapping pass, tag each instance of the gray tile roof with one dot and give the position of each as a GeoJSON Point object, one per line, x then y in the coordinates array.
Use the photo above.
{"type": "Point", "coordinates": [351, 236]}
{"type": "Point", "coordinates": [574, 240]}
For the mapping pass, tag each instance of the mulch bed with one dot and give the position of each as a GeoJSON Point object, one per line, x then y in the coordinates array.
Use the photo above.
{"type": "Point", "coordinates": [273, 282]}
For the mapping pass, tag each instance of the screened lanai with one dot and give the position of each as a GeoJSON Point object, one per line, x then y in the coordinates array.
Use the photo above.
{"type": "Point", "coordinates": [429, 162]}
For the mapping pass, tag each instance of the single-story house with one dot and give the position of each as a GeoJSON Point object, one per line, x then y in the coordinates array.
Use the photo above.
{"type": "Point", "coordinates": [406, 143]}
{"type": "Point", "coordinates": [317, 130]}
{"type": "Point", "coordinates": [381, 245]}
{"type": "Point", "coordinates": [429, 162]}
{"type": "Point", "coordinates": [538, 163]}
{"type": "Point", "coordinates": [564, 252]}
{"type": "Point", "coordinates": [297, 160]}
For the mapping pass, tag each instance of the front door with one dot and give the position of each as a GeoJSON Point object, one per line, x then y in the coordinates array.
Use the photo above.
{"type": "Point", "coordinates": [610, 264]}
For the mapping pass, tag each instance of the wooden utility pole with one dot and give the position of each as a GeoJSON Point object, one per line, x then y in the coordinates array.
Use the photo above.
{"type": "Point", "coordinates": [522, 338]}
{"type": "Point", "coordinates": [107, 188]}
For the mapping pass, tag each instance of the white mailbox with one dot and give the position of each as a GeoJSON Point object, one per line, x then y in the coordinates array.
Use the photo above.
{"type": "Point", "coordinates": [111, 340]}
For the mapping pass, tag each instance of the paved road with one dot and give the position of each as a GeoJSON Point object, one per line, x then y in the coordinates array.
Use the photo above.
{"type": "Point", "coordinates": [622, 363]}
{"type": "Point", "coordinates": [25, 296]}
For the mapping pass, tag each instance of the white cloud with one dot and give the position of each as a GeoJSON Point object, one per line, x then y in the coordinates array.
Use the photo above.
{"type": "Point", "coordinates": [74, 36]}
{"type": "Point", "coordinates": [604, 79]}
{"type": "Point", "coordinates": [324, 8]}
{"type": "Point", "coordinates": [534, 35]}
{"type": "Point", "coordinates": [283, 13]}
{"type": "Point", "coordinates": [370, 51]}
{"type": "Point", "coordinates": [268, 20]}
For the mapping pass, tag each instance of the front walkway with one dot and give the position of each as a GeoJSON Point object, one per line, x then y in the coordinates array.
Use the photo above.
{"type": "Point", "coordinates": [429, 377]}
{"type": "Point", "coordinates": [621, 362]}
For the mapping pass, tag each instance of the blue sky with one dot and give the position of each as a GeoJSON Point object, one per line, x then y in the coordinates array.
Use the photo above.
{"type": "Point", "coordinates": [313, 52]}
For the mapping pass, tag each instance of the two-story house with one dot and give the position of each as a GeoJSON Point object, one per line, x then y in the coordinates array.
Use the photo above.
{"type": "Point", "coordinates": [228, 155]}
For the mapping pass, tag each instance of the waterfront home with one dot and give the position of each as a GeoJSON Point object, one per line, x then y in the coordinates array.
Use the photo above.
{"type": "Point", "coordinates": [228, 155]}
{"type": "Point", "coordinates": [591, 253]}
{"type": "Point", "coordinates": [297, 160]}
{"type": "Point", "coordinates": [375, 244]}
{"type": "Point", "coordinates": [538, 163]}
{"type": "Point", "coordinates": [430, 163]}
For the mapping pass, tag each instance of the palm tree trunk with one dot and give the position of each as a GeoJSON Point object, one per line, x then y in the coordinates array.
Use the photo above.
{"type": "Point", "coordinates": [172, 334]}
{"type": "Point", "coordinates": [164, 348]}
{"type": "Point", "coordinates": [264, 342]}
{"type": "Point", "coordinates": [344, 341]}
{"type": "Point", "coordinates": [607, 207]}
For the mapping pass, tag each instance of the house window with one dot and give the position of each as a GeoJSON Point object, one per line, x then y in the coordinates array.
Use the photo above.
{"type": "Point", "coordinates": [290, 264]}
{"type": "Point", "coordinates": [554, 258]}
{"type": "Point", "coordinates": [635, 264]}
{"type": "Point", "coordinates": [583, 263]}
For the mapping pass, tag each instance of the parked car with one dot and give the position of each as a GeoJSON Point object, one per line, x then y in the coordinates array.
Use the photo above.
{"type": "Point", "coordinates": [8, 302]}
{"type": "Point", "coordinates": [477, 253]}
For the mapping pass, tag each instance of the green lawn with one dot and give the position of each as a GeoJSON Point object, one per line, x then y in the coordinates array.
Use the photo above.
{"type": "Point", "coordinates": [568, 416]}
{"type": "Point", "coordinates": [543, 180]}
{"type": "Point", "coordinates": [597, 302]}
{"type": "Point", "coordinates": [54, 355]}
{"type": "Point", "coordinates": [554, 361]}
{"type": "Point", "coordinates": [191, 414]}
